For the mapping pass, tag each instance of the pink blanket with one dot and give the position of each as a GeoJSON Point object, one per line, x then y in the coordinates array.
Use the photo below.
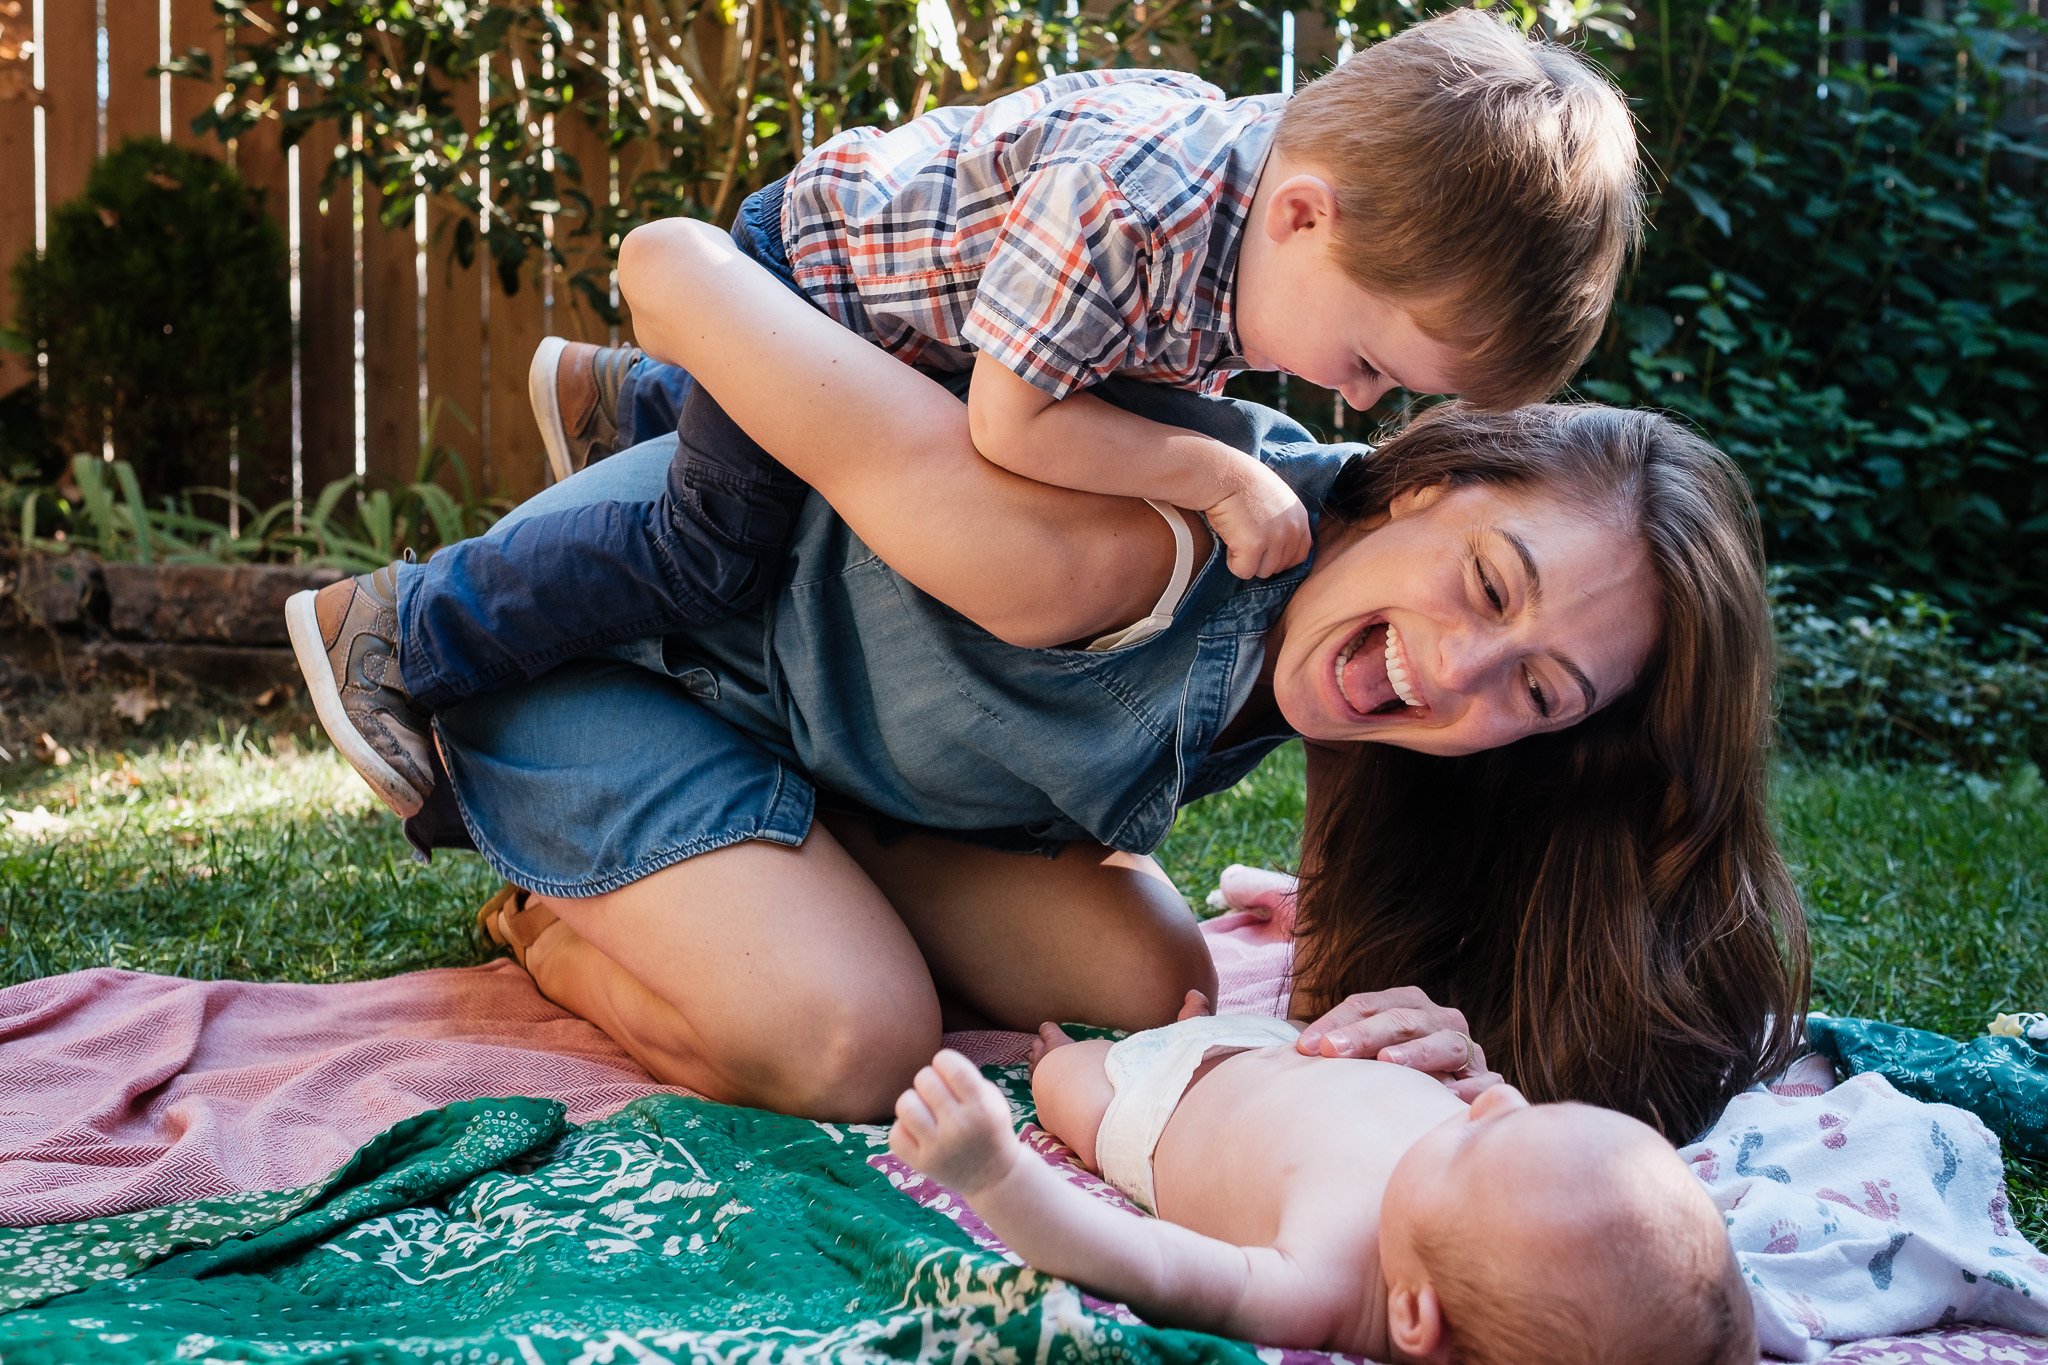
{"type": "Point", "coordinates": [121, 1091]}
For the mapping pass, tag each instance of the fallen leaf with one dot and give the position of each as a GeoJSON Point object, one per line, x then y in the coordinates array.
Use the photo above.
{"type": "Point", "coordinates": [271, 696]}
{"type": "Point", "coordinates": [137, 705]}
{"type": "Point", "coordinates": [49, 751]}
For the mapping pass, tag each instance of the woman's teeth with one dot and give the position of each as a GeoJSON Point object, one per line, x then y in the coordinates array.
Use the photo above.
{"type": "Point", "coordinates": [1397, 670]}
{"type": "Point", "coordinates": [1404, 694]}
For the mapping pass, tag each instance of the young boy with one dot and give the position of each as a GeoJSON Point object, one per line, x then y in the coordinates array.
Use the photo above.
{"type": "Point", "coordinates": [1344, 1205]}
{"type": "Point", "coordinates": [1448, 211]}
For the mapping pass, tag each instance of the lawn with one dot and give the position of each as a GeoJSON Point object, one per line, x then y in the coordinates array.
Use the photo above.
{"type": "Point", "coordinates": [246, 849]}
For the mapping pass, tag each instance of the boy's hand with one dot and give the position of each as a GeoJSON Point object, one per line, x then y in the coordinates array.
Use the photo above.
{"type": "Point", "coordinates": [1262, 523]}
{"type": "Point", "coordinates": [954, 1126]}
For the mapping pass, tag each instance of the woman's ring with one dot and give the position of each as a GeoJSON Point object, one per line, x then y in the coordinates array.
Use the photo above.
{"type": "Point", "coordinates": [1465, 1068]}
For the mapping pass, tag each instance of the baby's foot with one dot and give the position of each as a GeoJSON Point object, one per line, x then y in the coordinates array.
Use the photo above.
{"type": "Point", "coordinates": [954, 1126]}
{"type": "Point", "coordinates": [345, 637]}
{"type": "Point", "coordinates": [1049, 1037]}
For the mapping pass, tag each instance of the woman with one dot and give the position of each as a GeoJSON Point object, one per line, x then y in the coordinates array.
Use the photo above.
{"type": "Point", "coordinates": [1582, 572]}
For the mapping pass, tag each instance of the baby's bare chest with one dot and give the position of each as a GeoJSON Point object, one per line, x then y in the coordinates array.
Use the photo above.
{"type": "Point", "coordinates": [1269, 1140]}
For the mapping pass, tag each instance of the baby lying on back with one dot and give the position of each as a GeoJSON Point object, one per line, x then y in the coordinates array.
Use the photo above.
{"type": "Point", "coordinates": [1341, 1204]}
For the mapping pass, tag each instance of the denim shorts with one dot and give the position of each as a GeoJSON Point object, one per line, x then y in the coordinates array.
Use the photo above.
{"type": "Point", "coordinates": [612, 766]}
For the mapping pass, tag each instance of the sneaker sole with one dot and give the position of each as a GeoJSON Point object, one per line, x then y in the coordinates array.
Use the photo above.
{"type": "Point", "coordinates": [303, 625]}
{"type": "Point", "coordinates": [547, 407]}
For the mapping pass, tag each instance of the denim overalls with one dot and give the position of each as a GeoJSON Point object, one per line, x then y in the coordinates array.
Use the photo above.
{"type": "Point", "coordinates": [849, 681]}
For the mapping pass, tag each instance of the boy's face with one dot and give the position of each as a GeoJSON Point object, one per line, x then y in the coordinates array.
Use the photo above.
{"type": "Point", "coordinates": [1299, 313]}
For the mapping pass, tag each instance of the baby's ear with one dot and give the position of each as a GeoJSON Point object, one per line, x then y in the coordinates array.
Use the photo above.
{"type": "Point", "coordinates": [1415, 1324]}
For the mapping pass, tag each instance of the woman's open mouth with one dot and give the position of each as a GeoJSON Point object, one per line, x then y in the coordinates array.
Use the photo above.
{"type": "Point", "coordinates": [1373, 676]}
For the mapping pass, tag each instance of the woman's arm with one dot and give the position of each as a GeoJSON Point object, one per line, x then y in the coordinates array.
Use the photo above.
{"type": "Point", "coordinates": [889, 449]}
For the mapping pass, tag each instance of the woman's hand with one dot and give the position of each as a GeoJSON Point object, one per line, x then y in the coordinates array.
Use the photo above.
{"type": "Point", "coordinates": [1405, 1027]}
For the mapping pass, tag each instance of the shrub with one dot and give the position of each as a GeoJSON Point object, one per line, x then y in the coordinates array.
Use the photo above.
{"type": "Point", "coordinates": [1897, 679]}
{"type": "Point", "coordinates": [162, 302]}
{"type": "Point", "coordinates": [1844, 285]}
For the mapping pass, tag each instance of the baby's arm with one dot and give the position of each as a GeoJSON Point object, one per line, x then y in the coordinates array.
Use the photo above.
{"type": "Point", "coordinates": [1082, 442]}
{"type": "Point", "coordinates": [954, 1126]}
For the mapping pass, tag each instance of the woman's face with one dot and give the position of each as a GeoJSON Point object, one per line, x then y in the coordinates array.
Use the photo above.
{"type": "Point", "coordinates": [1465, 619]}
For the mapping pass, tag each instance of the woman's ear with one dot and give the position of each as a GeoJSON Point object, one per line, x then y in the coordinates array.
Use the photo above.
{"type": "Point", "coordinates": [1303, 202]}
{"type": "Point", "coordinates": [1415, 1324]}
{"type": "Point", "coordinates": [1418, 499]}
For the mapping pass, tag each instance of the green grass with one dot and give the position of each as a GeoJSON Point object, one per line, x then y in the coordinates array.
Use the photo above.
{"type": "Point", "coordinates": [252, 852]}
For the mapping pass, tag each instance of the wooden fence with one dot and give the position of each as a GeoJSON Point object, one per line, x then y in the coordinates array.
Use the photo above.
{"type": "Point", "coordinates": [390, 334]}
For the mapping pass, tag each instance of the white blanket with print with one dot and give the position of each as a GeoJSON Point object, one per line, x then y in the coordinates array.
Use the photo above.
{"type": "Point", "coordinates": [1860, 1212]}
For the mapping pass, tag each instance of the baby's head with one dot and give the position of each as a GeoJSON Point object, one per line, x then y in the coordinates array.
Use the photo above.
{"type": "Point", "coordinates": [1479, 186]}
{"type": "Point", "coordinates": [1557, 1232]}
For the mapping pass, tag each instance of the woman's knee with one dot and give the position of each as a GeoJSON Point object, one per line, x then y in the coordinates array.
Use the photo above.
{"type": "Point", "coordinates": [1167, 958]}
{"type": "Point", "coordinates": [845, 1060]}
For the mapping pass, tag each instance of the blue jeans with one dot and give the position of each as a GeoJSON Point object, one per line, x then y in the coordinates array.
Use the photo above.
{"type": "Point", "coordinates": [494, 611]}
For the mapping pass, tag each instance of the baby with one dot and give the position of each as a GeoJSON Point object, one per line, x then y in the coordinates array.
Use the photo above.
{"type": "Point", "coordinates": [1344, 1205]}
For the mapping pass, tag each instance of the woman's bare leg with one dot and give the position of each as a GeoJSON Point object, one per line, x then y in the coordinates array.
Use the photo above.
{"type": "Point", "coordinates": [1093, 936]}
{"type": "Point", "coordinates": [756, 974]}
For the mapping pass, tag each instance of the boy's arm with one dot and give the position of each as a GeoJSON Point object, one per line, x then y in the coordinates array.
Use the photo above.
{"type": "Point", "coordinates": [1082, 442]}
{"type": "Point", "coordinates": [889, 449]}
{"type": "Point", "coordinates": [954, 1126]}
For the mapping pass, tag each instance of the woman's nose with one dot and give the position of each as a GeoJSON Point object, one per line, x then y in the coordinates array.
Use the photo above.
{"type": "Point", "coordinates": [1467, 660]}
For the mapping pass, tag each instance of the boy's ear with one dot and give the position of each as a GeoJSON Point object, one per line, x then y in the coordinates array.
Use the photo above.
{"type": "Point", "coordinates": [1302, 202]}
{"type": "Point", "coordinates": [1415, 1324]}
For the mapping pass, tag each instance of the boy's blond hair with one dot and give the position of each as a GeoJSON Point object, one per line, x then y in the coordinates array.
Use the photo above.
{"type": "Point", "coordinates": [1485, 180]}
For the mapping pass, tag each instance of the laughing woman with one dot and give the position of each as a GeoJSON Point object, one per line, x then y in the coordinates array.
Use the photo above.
{"type": "Point", "coordinates": [919, 784]}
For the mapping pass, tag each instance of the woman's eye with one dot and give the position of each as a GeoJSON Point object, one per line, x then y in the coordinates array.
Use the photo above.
{"type": "Point", "coordinates": [1486, 585]}
{"type": "Point", "coordinates": [1536, 695]}
{"type": "Point", "coordinates": [1365, 367]}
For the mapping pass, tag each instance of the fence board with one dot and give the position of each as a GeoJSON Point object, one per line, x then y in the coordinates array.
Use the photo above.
{"type": "Point", "coordinates": [17, 219]}
{"type": "Point", "coordinates": [455, 327]}
{"type": "Point", "coordinates": [134, 97]}
{"type": "Point", "coordinates": [574, 317]}
{"type": "Point", "coordinates": [391, 347]}
{"type": "Point", "coordinates": [70, 96]}
{"type": "Point", "coordinates": [266, 452]}
{"type": "Point", "coordinates": [194, 25]}
{"type": "Point", "coordinates": [517, 323]}
{"type": "Point", "coordinates": [327, 281]}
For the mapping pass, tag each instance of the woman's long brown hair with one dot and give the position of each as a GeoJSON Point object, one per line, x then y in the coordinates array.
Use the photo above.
{"type": "Point", "coordinates": [1605, 903]}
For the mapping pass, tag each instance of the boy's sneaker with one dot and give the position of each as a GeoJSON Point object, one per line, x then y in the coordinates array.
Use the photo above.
{"type": "Point", "coordinates": [574, 389]}
{"type": "Point", "coordinates": [345, 636]}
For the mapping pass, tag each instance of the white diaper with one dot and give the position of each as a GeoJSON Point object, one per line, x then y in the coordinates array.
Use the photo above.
{"type": "Point", "coordinates": [1149, 1071]}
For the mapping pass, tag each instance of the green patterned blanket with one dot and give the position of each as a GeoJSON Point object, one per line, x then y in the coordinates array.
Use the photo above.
{"type": "Point", "coordinates": [491, 1231]}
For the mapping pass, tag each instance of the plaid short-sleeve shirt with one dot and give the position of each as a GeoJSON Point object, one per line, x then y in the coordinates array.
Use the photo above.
{"type": "Point", "coordinates": [1085, 227]}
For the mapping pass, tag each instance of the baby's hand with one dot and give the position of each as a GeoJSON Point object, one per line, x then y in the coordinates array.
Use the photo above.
{"type": "Point", "coordinates": [1262, 524]}
{"type": "Point", "coordinates": [954, 1126]}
